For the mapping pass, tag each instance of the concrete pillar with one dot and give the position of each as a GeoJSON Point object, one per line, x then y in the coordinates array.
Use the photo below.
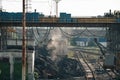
{"type": "Point", "coordinates": [30, 62]}
{"type": "Point", "coordinates": [114, 44]}
{"type": "Point", "coordinates": [11, 67]}
{"type": "Point", "coordinates": [0, 39]}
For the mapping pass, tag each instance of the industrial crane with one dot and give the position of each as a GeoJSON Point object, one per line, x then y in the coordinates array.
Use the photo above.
{"type": "Point", "coordinates": [102, 48]}
{"type": "Point", "coordinates": [106, 55]}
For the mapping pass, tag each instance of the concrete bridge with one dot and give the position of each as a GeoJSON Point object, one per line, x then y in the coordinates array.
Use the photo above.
{"type": "Point", "coordinates": [59, 24]}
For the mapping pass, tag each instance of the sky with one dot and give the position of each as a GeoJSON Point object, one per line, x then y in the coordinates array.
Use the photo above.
{"type": "Point", "coordinates": [74, 7]}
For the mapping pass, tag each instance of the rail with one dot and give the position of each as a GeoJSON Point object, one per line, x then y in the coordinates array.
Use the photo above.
{"type": "Point", "coordinates": [89, 71]}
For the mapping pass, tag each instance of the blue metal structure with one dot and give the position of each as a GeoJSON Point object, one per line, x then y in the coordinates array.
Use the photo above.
{"type": "Point", "coordinates": [65, 20]}
{"type": "Point", "coordinates": [10, 16]}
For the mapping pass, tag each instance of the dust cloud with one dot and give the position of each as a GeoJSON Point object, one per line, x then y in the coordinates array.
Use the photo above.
{"type": "Point", "coordinates": [58, 45]}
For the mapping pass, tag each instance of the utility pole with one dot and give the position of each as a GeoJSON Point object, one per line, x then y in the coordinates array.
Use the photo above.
{"type": "Point", "coordinates": [28, 5]}
{"type": "Point", "coordinates": [0, 5]}
{"type": "Point", "coordinates": [57, 1]}
{"type": "Point", "coordinates": [24, 43]}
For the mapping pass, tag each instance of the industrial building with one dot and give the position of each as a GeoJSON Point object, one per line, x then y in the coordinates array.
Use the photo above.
{"type": "Point", "coordinates": [35, 46]}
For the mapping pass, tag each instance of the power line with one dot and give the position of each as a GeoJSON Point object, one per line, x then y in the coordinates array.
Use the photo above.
{"type": "Point", "coordinates": [94, 34]}
{"type": "Point", "coordinates": [71, 35]}
{"type": "Point", "coordinates": [37, 35]}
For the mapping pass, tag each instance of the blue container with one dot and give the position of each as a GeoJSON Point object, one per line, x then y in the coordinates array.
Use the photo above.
{"type": "Point", "coordinates": [61, 20]}
{"type": "Point", "coordinates": [68, 15]}
{"type": "Point", "coordinates": [36, 17]}
{"type": "Point", "coordinates": [62, 15]}
{"type": "Point", "coordinates": [29, 17]}
{"type": "Point", "coordinates": [0, 17]}
{"type": "Point", "coordinates": [5, 16]}
{"type": "Point", "coordinates": [19, 16]}
{"type": "Point", "coordinates": [74, 20]}
{"type": "Point", "coordinates": [13, 16]}
{"type": "Point", "coordinates": [118, 20]}
{"type": "Point", "coordinates": [68, 20]}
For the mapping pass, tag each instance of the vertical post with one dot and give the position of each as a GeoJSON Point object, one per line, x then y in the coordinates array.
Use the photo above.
{"type": "Point", "coordinates": [56, 9]}
{"type": "Point", "coordinates": [3, 38]}
{"type": "Point", "coordinates": [24, 43]}
{"type": "Point", "coordinates": [56, 2]}
{"type": "Point", "coordinates": [30, 63]}
{"type": "Point", "coordinates": [11, 67]}
{"type": "Point", "coordinates": [0, 5]}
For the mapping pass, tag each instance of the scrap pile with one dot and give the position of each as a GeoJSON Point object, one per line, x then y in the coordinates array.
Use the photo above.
{"type": "Point", "coordinates": [62, 69]}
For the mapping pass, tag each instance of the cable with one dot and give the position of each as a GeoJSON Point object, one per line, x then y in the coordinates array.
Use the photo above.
{"type": "Point", "coordinates": [37, 35]}
{"type": "Point", "coordinates": [74, 34]}
{"type": "Point", "coordinates": [93, 34]}
{"type": "Point", "coordinates": [68, 35]}
{"type": "Point", "coordinates": [36, 40]}
{"type": "Point", "coordinates": [46, 35]}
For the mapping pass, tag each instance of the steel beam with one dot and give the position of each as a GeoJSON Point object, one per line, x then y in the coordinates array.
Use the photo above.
{"type": "Point", "coordinates": [39, 24]}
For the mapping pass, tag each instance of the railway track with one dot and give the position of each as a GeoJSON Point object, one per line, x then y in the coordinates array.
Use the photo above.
{"type": "Point", "coordinates": [76, 68]}
{"type": "Point", "coordinates": [90, 69]}
{"type": "Point", "coordinates": [87, 66]}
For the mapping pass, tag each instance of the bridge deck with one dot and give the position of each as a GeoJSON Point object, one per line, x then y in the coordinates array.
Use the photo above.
{"type": "Point", "coordinates": [47, 24]}
{"type": "Point", "coordinates": [61, 22]}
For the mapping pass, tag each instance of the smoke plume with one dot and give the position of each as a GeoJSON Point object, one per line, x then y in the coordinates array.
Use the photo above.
{"type": "Point", "coordinates": [58, 45]}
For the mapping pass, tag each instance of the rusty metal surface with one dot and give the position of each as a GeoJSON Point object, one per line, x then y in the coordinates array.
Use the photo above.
{"type": "Point", "coordinates": [24, 44]}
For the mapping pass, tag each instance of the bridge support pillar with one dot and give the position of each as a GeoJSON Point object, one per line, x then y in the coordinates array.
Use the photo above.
{"type": "Point", "coordinates": [3, 38]}
{"type": "Point", "coordinates": [113, 43]}
{"type": "Point", "coordinates": [11, 61]}
{"type": "Point", "coordinates": [30, 64]}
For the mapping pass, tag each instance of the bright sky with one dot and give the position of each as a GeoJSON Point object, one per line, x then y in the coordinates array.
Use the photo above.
{"type": "Point", "coordinates": [75, 7]}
